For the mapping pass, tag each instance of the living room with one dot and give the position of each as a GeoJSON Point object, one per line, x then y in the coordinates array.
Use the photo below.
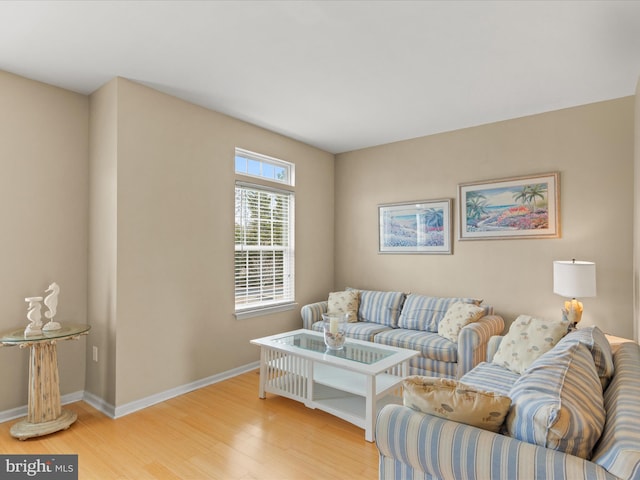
{"type": "Point", "coordinates": [123, 196]}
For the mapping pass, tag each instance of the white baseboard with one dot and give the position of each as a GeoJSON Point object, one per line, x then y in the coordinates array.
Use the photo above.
{"type": "Point", "coordinates": [174, 392]}
{"type": "Point", "coordinates": [99, 404]}
{"type": "Point", "coordinates": [22, 411]}
{"type": "Point", "coordinates": [122, 410]}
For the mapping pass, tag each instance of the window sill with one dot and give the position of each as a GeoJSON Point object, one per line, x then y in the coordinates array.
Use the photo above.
{"type": "Point", "coordinates": [257, 312]}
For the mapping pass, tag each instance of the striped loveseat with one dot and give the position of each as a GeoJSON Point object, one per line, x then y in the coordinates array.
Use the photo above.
{"type": "Point", "coordinates": [415, 445]}
{"type": "Point", "coordinates": [411, 321]}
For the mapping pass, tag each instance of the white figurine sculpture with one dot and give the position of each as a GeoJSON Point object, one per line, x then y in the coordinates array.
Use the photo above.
{"type": "Point", "coordinates": [51, 301]}
{"type": "Point", "coordinates": [34, 316]}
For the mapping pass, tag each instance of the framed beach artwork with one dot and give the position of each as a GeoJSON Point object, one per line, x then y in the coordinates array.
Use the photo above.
{"type": "Point", "coordinates": [415, 227]}
{"type": "Point", "coordinates": [519, 207]}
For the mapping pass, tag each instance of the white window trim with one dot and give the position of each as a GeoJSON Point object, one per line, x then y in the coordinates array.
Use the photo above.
{"type": "Point", "coordinates": [265, 310]}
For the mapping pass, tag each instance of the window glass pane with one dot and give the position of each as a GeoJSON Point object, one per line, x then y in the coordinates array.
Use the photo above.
{"type": "Point", "coordinates": [281, 174]}
{"type": "Point", "coordinates": [241, 164]}
{"type": "Point", "coordinates": [254, 168]}
{"type": "Point", "coordinates": [268, 171]}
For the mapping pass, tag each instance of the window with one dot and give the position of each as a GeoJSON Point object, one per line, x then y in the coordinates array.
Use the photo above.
{"type": "Point", "coordinates": [264, 253]}
{"type": "Point", "coordinates": [261, 166]}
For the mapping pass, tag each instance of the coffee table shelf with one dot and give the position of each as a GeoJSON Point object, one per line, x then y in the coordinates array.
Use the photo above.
{"type": "Point", "coordinates": [352, 384]}
{"type": "Point", "coordinates": [348, 382]}
{"type": "Point", "coordinates": [348, 407]}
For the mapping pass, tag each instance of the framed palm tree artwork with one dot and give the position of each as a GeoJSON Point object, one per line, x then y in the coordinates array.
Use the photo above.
{"type": "Point", "coordinates": [415, 227]}
{"type": "Point", "coordinates": [518, 207]}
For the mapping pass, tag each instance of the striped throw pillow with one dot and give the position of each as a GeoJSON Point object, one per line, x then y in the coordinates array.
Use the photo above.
{"type": "Point", "coordinates": [593, 338]}
{"type": "Point", "coordinates": [380, 307]}
{"type": "Point", "coordinates": [557, 403]}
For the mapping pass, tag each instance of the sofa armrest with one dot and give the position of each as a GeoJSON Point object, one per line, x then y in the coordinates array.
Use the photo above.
{"type": "Point", "coordinates": [312, 313]}
{"type": "Point", "coordinates": [618, 450]}
{"type": "Point", "coordinates": [473, 339]}
{"type": "Point", "coordinates": [437, 448]}
{"type": "Point", "coordinates": [492, 347]}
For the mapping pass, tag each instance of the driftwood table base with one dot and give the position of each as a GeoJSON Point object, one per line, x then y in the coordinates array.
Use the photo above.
{"type": "Point", "coordinates": [44, 412]}
{"type": "Point", "coordinates": [25, 429]}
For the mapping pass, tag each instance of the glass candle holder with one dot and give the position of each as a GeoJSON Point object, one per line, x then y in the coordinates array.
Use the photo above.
{"type": "Point", "coordinates": [334, 326]}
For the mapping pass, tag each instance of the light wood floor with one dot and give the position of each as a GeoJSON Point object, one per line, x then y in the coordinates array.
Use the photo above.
{"type": "Point", "coordinates": [223, 431]}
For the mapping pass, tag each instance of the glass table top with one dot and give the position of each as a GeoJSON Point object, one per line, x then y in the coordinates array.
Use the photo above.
{"type": "Point", "coordinates": [366, 354]}
{"type": "Point", "coordinates": [17, 336]}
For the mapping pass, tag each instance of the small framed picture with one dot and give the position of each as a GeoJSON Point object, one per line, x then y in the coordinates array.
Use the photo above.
{"type": "Point", "coordinates": [415, 227]}
{"type": "Point", "coordinates": [518, 207]}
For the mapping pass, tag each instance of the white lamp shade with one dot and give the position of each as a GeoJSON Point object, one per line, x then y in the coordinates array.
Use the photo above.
{"type": "Point", "coordinates": [573, 279]}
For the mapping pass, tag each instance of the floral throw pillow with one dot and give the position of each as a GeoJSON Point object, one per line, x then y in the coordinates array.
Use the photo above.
{"type": "Point", "coordinates": [453, 400]}
{"type": "Point", "coordinates": [528, 339]}
{"type": "Point", "coordinates": [345, 302]}
{"type": "Point", "coordinates": [458, 315]}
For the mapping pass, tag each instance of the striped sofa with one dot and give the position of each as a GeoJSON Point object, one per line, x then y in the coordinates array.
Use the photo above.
{"type": "Point", "coordinates": [411, 321]}
{"type": "Point", "coordinates": [414, 445]}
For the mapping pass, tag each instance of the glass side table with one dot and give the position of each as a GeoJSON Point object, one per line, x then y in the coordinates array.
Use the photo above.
{"type": "Point", "coordinates": [44, 413]}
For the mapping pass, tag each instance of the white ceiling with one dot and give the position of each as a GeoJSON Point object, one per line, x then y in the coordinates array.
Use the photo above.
{"type": "Point", "coordinates": [337, 75]}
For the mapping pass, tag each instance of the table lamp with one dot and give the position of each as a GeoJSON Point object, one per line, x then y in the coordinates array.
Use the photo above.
{"type": "Point", "coordinates": [574, 279]}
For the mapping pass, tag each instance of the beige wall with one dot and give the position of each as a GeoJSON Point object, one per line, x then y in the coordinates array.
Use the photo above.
{"type": "Point", "coordinates": [636, 217]}
{"type": "Point", "coordinates": [44, 218]}
{"type": "Point", "coordinates": [102, 266]}
{"type": "Point", "coordinates": [173, 216]}
{"type": "Point", "coordinates": [592, 148]}
{"type": "Point", "coordinates": [155, 177]}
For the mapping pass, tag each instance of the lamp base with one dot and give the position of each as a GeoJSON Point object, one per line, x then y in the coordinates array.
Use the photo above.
{"type": "Point", "coordinates": [572, 313]}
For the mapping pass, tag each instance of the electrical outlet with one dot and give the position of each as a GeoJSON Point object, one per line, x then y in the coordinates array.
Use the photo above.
{"type": "Point", "coordinates": [95, 354]}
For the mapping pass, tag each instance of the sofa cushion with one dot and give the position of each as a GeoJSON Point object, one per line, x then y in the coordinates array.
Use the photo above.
{"type": "Point", "coordinates": [458, 316]}
{"type": "Point", "coordinates": [428, 366]}
{"type": "Point", "coordinates": [421, 312]}
{"type": "Point", "coordinates": [491, 377]}
{"type": "Point", "coordinates": [598, 345]}
{"type": "Point", "coordinates": [527, 339]}
{"type": "Point", "coordinates": [430, 345]}
{"type": "Point", "coordinates": [557, 403]}
{"type": "Point", "coordinates": [345, 302]}
{"type": "Point", "coordinates": [359, 330]}
{"type": "Point", "coordinates": [380, 307]}
{"type": "Point", "coordinates": [453, 400]}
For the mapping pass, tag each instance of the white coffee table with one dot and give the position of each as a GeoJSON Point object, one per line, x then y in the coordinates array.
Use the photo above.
{"type": "Point", "coordinates": [352, 383]}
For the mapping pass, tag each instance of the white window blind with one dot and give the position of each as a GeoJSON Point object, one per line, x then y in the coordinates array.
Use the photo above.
{"type": "Point", "coordinates": [264, 253]}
